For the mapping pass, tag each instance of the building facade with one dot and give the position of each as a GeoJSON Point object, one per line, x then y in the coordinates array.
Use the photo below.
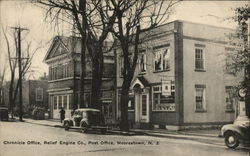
{"type": "Point", "coordinates": [181, 78]}
{"type": "Point", "coordinates": [34, 95]}
{"type": "Point", "coordinates": [63, 59]}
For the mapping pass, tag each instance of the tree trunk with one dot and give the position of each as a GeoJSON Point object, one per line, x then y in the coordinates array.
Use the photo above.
{"type": "Point", "coordinates": [11, 103]}
{"type": "Point", "coordinates": [124, 126]}
{"type": "Point", "coordinates": [97, 74]}
{"type": "Point", "coordinates": [95, 91]}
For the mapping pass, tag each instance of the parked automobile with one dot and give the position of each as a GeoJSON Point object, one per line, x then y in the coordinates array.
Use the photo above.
{"type": "Point", "coordinates": [236, 133]}
{"type": "Point", "coordinates": [4, 113]}
{"type": "Point", "coordinates": [85, 119]}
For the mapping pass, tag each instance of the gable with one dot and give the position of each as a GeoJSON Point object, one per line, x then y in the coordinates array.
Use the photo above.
{"type": "Point", "coordinates": [57, 48]}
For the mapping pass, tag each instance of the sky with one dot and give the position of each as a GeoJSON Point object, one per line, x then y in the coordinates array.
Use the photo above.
{"type": "Point", "coordinates": [40, 34]}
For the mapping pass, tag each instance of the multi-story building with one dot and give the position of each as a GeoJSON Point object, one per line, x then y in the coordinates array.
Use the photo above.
{"type": "Point", "coordinates": [181, 79]}
{"type": "Point", "coordinates": [63, 58]}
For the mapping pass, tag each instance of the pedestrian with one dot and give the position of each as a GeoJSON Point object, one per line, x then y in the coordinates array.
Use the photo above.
{"type": "Point", "coordinates": [62, 114]}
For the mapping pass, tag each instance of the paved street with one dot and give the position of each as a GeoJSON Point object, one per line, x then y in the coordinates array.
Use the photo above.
{"type": "Point", "coordinates": [30, 139]}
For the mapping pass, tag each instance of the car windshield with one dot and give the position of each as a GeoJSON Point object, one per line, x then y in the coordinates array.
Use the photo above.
{"type": "Point", "coordinates": [78, 113]}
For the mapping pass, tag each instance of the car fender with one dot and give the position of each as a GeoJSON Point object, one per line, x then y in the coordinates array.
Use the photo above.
{"type": "Point", "coordinates": [83, 120]}
{"type": "Point", "coordinates": [68, 120]}
{"type": "Point", "coordinates": [232, 128]}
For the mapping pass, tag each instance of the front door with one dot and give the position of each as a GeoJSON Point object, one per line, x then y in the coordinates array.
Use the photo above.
{"type": "Point", "coordinates": [141, 107]}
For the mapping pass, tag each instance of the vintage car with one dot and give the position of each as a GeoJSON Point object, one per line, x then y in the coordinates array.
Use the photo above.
{"type": "Point", "coordinates": [4, 113]}
{"type": "Point", "coordinates": [236, 133]}
{"type": "Point", "coordinates": [85, 119]}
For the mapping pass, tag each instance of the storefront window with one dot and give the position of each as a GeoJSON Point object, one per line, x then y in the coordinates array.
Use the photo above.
{"type": "Point", "coordinates": [163, 102]}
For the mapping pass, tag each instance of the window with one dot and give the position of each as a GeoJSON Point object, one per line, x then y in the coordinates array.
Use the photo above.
{"type": "Point", "coordinates": [55, 102]}
{"type": "Point", "coordinates": [60, 101]}
{"type": "Point", "coordinates": [166, 59]}
{"type": "Point", "coordinates": [70, 101]}
{"type": "Point", "coordinates": [39, 94]}
{"type": "Point", "coordinates": [229, 57]}
{"type": "Point", "coordinates": [143, 63]}
{"type": "Point", "coordinates": [230, 98]}
{"type": "Point", "coordinates": [162, 60]}
{"type": "Point", "coordinates": [65, 71]}
{"type": "Point", "coordinates": [131, 103]}
{"type": "Point", "coordinates": [107, 109]}
{"type": "Point", "coordinates": [54, 73]}
{"type": "Point", "coordinates": [199, 58]}
{"type": "Point", "coordinates": [200, 97]}
{"type": "Point", "coordinates": [162, 102]}
{"type": "Point", "coordinates": [87, 99]}
{"type": "Point", "coordinates": [50, 73]}
{"type": "Point", "coordinates": [144, 104]}
{"type": "Point", "coordinates": [65, 102]}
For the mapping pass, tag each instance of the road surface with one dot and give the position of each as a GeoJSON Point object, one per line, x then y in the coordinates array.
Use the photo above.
{"type": "Point", "coordinates": [26, 139]}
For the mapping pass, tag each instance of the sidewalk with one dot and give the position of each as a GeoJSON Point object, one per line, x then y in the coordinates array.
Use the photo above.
{"type": "Point", "coordinates": [206, 134]}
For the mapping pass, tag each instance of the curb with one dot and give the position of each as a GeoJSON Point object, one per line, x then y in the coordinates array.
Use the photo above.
{"type": "Point", "coordinates": [154, 134]}
{"type": "Point", "coordinates": [58, 126]}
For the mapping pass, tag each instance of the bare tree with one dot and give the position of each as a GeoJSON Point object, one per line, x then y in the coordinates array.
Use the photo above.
{"type": "Point", "coordinates": [99, 19]}
{"type": "Point", "coordinates": [135, 17]}
{"type": "Point", "coordinates": [12, 61]}
{"type": "Point", "coordinates": [2, 76]}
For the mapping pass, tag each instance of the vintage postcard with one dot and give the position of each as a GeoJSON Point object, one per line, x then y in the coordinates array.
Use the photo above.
{"type": "Point", "coordinates": [124, 77]}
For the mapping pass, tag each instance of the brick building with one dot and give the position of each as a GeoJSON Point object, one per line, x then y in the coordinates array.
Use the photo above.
{"type": "Point", "coordinates": [34, 94]}
{"type": "Point", "coordinates": [63, 59]}
{"type": "Point", "coordinates": [181, 79]}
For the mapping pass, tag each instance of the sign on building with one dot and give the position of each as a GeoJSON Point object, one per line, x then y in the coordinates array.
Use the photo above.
{"type": "Point", "coordinates": [166, 87]}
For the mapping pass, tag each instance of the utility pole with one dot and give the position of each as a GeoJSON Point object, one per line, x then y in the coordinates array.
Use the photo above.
{"type": "Point", "coordinates": [82, 8]}
{"type": "Point", "coordinates": [20, 71]}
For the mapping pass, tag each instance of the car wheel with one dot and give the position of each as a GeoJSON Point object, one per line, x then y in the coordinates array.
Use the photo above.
{"type": "Point", "coordinates": [84, 127]}
{"type": "Point", "coordinates": [66, 126]}
{"type": "Point", "coordinates": [231, 140]}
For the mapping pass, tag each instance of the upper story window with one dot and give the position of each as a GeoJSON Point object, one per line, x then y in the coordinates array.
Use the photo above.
{"type": "Point", "coordinates": [65, 70]}
{"type": "Point", "coordinates": [199, 57]}
{"type": "Point", "coordinates": [162, 59]}
{"type": "Point", "coordinates": [143, 63]}
{"type": "Point", "coordinates": [200, 97]}
{"type": "Point", "coordinates": [59, 71]}
{"type": "Point", "coordinates": [39, 94]}
{"type": "Point", "coordinates": [229, 63]}
{"type": "Point", "coordinates": [230, 98]}
{"type": "Point", "coordinates": [53, 73]}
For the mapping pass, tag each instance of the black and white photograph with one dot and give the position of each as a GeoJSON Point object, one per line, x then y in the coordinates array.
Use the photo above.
{"type": "Point", "coordinates": [124, 77]}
